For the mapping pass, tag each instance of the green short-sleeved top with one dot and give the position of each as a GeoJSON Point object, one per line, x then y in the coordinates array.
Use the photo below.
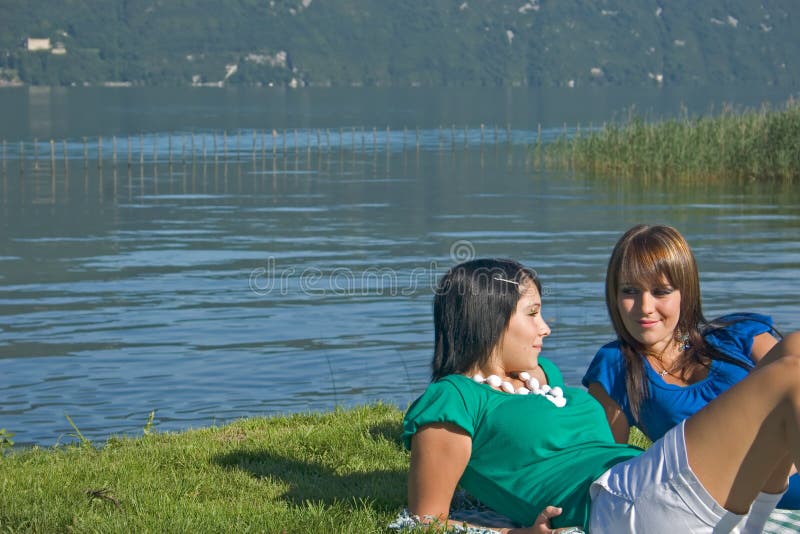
{"type": "Point", "coordinates": [526, 452]}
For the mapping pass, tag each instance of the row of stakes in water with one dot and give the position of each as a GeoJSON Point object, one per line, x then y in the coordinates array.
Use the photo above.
{"type": "Point", "coordinates": [194, 146]}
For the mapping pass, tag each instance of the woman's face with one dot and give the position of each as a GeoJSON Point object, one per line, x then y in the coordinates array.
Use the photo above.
{"type": "Point", "coordinates": [521, 343]}
{"type": "Point", "coordinates": [650, 314]}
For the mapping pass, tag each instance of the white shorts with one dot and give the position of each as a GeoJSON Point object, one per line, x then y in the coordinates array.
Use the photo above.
{"type": "Point", "coordinates": [657, 492]}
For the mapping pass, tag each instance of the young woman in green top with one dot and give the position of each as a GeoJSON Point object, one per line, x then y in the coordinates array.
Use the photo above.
{"type": "Point", "coordinates": [498, 419]}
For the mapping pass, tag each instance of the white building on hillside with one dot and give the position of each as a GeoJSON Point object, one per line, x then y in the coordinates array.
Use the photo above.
{"type": "Point", "coordinates": [35, 45]}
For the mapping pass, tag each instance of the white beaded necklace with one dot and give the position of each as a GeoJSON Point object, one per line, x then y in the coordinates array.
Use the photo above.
{"type": "Point", "coordinates": [554, 395]}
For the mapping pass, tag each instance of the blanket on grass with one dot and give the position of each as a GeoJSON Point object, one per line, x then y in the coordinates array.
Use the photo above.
{"type": "Point", "coordinates": [468, 509]}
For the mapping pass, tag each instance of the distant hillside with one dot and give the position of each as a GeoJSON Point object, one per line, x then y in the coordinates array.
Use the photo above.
{"type": "Point", "coordinates": [401, 42]}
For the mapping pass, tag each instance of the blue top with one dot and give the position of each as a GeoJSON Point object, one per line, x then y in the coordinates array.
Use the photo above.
{"type": "Point", "coordinates": [666, 405]}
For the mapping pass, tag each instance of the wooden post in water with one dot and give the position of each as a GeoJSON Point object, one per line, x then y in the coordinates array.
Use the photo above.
{"type": "Point", "coordinates": [238, 158]}
{"type": "Point", "coordinates": [100, 184]}
{"type": "Point", "coordinates": [263, 154]}
{"type": "Point", "coordinates": [263, 147]}
{"type": "Point", "coordinates": [114, 172]}
{"type": "Point", "coordinates": [52, 171]}
{"type": "Point", "coordinates": [238, 144]}
{"type": "Point", "coordinates": [538, 149]}
{"type": "Point", "coordinates": [130, 152]}
{"type": "Point", "coordinates": [155, 162]}
{"type": "Point", "coordinates": [66, 167]}
{"type": "Point", "coordinates": [214, 148]}
{"type": "Point", "coordinates": [417, 138]}
{"type": "Point", "coordinates": [21, 158]}
{"type": "Point", "coordinates": [100, 168]}
{"type": "Point", "coordinates": [35, 154]}
{"type": "Point", "coordinates": [52, 158]}
{"type": "Point", "coordinates": [114, 151]}
{"type": "Point", "coordinates": [4, 157]}
{"type": "Point", "coordinates": [203, 148]}
{"type": "Point", "coordinates": [85, 154]}
{"type": "Point", "coordinates": [141, 162]}
{"type": "Point", "coordinates": [482, 128]}
{"type": "Point", "coordinates": [388, 136]}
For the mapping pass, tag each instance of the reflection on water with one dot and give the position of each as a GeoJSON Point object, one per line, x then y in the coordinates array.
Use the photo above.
{"type": "Point", "coordinates": [301, 282]}
{"type": "Point", "coordinates": [65, 112]}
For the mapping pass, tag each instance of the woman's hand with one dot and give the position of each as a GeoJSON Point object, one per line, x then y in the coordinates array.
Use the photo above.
{"type": "Point", "coordinates": [542, 524]}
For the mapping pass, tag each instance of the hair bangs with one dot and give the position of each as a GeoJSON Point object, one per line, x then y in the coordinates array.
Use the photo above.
{"type": "Point", "coordinates": [651, 260]}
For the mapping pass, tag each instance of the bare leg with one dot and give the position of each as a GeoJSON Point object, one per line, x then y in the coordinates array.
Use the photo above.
{"type": "Point", "coordinates": [746, 440]}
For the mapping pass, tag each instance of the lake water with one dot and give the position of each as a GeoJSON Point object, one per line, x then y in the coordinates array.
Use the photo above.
{"type": "Point", "coordinates": [292, 270]}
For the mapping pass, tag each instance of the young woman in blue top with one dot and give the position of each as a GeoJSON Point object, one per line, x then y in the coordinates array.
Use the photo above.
{"type": "Point", "coordinates": [668, 361]}
{"type": "Point", "coordinates": [498, 419]}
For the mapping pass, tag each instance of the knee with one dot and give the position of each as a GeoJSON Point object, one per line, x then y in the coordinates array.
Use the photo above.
{"type": "Point", "coordinates": [791, 343]}
{"type": "Point", "coordinates": [790, 366]}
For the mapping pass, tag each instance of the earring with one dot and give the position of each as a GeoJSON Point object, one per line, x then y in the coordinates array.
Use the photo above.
{"type": "Point", "coordinates": [682, 339]}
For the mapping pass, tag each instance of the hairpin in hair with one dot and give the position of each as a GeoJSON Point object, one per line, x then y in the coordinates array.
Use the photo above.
{"type": "Point", "coordinates": [507, 281]}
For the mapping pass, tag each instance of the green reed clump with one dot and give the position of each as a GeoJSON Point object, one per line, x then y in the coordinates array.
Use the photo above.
{"type": "Point", "coordinates": [751, 145]}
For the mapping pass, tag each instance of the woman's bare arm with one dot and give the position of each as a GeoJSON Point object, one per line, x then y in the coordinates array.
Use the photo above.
{"type": "Point", "coordinates": [439, 455]}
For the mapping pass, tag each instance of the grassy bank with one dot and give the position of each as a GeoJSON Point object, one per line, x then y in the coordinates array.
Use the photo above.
{"type": "Point", "coordinates": [343, 471]}
{"type": "Point", "coordinates": [749, 145]}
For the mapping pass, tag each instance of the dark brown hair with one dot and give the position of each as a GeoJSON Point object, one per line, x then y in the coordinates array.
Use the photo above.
{"type": "Point", "coordinates": [472, 307]}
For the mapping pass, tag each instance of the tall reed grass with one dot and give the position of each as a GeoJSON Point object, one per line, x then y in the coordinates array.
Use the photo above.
{"type": "Point", "coordinates": [759, 144]}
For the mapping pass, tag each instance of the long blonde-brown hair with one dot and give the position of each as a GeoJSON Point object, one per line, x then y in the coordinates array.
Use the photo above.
{"type": "Point", "coordinates": [647, 255]}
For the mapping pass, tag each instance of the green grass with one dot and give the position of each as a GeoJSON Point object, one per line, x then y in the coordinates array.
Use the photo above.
{"type": "Point", "coordinates": [343, 471]}
{"type": "Point", "coordinates": [750, 145]}
{"type": "Point", "coordinates": [638, 438]}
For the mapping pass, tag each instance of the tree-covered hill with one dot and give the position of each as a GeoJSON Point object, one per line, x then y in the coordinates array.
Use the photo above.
{"type": "Point", "coordinates": [402, 42]}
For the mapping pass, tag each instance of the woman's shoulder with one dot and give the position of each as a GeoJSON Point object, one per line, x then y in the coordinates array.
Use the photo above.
{"type": "Point", "coordinates": [610, 347]}
{"type": "Point", "coordinates": [608, 354]}
{"type": "Point", "coordinates": [741, 322]}
{"type": "Point", "coordinates": [607, 367]}
{"type": "Point", "coordinates": [452, 399]}
{"type": "Point", "coordinates": [733, 333]}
